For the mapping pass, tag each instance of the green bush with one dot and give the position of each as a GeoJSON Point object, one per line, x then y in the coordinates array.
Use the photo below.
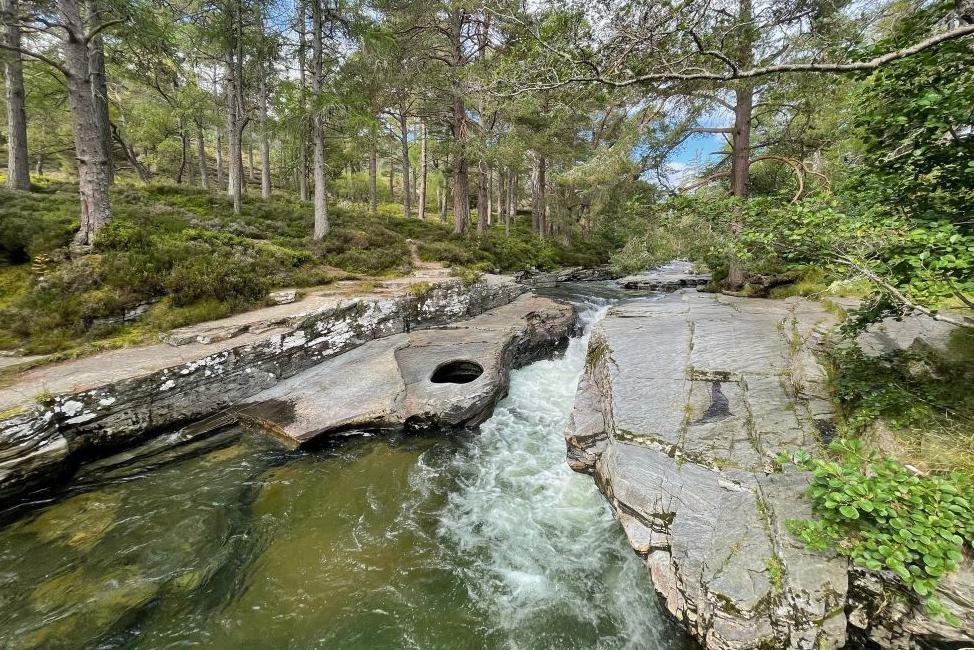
{"type": "Point", "coordinates": [883, 516]}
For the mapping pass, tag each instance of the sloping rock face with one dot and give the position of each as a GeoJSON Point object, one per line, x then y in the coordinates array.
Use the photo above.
{"type": "Point", "coordinates": [446, 378]}
{"type": "Point", "coordinates": [38, 441]}
{"type": "Point", "coordinates": [670, 277]}
{"type": "Point", "coordinates": [570, 274]}
{"type": "Point", "coordinates": [683, 406]}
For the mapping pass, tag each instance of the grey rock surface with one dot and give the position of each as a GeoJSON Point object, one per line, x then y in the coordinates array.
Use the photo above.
{"type": "Point", "coordinates": [570, 274]}
{"type": "Point", "coordinates": [87, 407]}
{"type": "Point", "coordinates": [684, 404]}
{"type": "Point", "coordinates": [387, 383]}
{"type": "Point", "coordinates": [672, 276]}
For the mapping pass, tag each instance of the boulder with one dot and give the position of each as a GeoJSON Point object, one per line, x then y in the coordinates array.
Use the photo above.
{"type": "Point", "coordinates": [447, 377]}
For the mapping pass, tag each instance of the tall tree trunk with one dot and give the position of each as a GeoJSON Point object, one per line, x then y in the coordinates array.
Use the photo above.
{"type": "Point", "coordinates": [392, 180]}
{"type": "Point", "coordinates": [501, 195]}
{"type": "Point", "coordinates": [302, 141]}
{"type": "Point", "coordinates": [423, 172]}
{"type": "Point", "coordinates": [373, 176]}
{"type": "Point", "coordinates": [219, 158]}
{"type": "Point", "coordinates": [490, 196]}
{"type": "Point", "coordinates": [538, 199]}
{"type": "Point", "coordinates": [251, 167]}
{"type": "Point", "coordinates": [99, 87]}
{"type": "Point", "coordinates": [201, 154]}
{"type": "Point", "coordinates": [183, 146]}
{"type": "Point", "coordinates": [444, 199]}
{"type": "Point", "coordinates": [321, 226]}
{"type": "Point", "coordinates": [265, 144]}
{"type": "Point", "coordinates": [93, 178]}
{"type": "Point", "coordinates": [236, 115]}
{"type": "Point", "coordinates": [407, 195]}
{"type": "Point", "coordinates": [458, 125]}
{"type": "Point", "coordinates": [741, 141]}
{"type": "Point", "coordinates": [483, 200]}
{"type": "Point", "coordinates": [18, 164]}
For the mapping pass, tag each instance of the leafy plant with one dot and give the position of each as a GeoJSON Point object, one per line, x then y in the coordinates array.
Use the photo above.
{"type": "Point", "coordinates": [883, 516]}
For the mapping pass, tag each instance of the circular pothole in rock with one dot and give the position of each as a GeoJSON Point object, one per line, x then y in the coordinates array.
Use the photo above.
{"type": "Point", "coordinates": [456, 372]}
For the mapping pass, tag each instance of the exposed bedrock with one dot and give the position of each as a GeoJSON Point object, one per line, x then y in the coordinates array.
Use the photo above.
{"type": "Point", "coordinates": [101, 403]}
{"type": "Point", "coordinates": [447, 378]}
{"type": "Point", "coordinates": [684, 404]}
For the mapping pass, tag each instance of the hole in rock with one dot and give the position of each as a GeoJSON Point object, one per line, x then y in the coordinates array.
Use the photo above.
{"type": "Point", "coordinates": [457, 372]}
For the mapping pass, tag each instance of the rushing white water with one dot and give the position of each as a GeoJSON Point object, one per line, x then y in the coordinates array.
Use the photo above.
{"type": "Point", "coordinates": [545, 552]}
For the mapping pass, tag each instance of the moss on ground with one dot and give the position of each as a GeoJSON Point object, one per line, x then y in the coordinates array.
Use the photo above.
{"type": "Point", "coordinates": [182, 251]}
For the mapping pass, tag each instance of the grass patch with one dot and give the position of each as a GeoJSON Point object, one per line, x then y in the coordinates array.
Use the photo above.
{"type": "Point", "coordinates": [183, 251]}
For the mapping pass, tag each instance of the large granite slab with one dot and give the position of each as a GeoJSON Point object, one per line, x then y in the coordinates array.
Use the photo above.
{"type": "Point", "coordinates": [684, 405]}
{"type": "Point", "coordinates": [389, 383]}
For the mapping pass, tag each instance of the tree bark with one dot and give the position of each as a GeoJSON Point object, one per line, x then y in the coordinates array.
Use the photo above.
{"type": "Point", "coordinates": [538, 198]}
{"type": "Point", "coordinates": [423, 172]}
{"type": "Point", "coordinates": [93, 178]}
{"type": "Point", "coordinates": [407, 195]}
{"type": "Point", "coordinates": [373, 176]}
{"type": "Point", "coordinates": [483, 199]}
{"type": "Point", "coordinates": [236, 115]}
{"type": "Point", "coordinates": [99, 87]}
{"type": "Point", "coordinates": [461, 182]}
{"type": "Point", "coordinates": [321, 225]}
{"type": "Point", "coordinates": [741, 142]}
{"type": "Point", "coordinates": [219, 158]}
{"type": "Point", "coordinates": [201, 154]}
{"type": "Point", "coordinates": [302, 142]}
{"type": "Point", "coordinates": [445, 197]}
{"type": "Point", "coordinates": [490, 196]}
{"type": "Point", "coordinates": [18, 163]}
{"type": "Point", "coordinates": [265, 145]}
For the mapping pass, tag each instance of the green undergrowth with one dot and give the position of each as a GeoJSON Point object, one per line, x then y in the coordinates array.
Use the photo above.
{"type": "Point", "coordinates": [183, 253]}
{"type": "Point", "coordinates": [894, 491]}
{"type": "Point", "coordinates": [916, 404]}
{"type": "Point", "coordinates": [882, 515]}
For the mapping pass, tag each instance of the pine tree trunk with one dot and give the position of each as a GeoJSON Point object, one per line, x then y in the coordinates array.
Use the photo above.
{"type": "Point", "coordinates": [18, 163]}
{"type": "Point", "coordinates": [302, 142]}
{"type": "Point", "coordinates": [321, 225]}
{"type": "Point", "coordinates": [538, 202]}
{"type": "Point", "coordinates": [99, 87]}
{"type": "Point", "coordinates": [423, 172]}
{"type": "Point", "coordinates": [444, 199]}
{"type": "Point", "coordinates": [265, 144]}
{"type": "Point", "coordinates": [93, 180]}
{"type": "Point", "coordinates": [483, 200]}
{"type": "Point", "coordinates": [373, 178]}
{"type": "Point", "coordinates": [490, 196]}
{"type": "Point", "coordinates": [407, 195]}
{"type": "Point", "coordinates": [392, 180]}
{"type": "Point", "coordinates": [741, 142]}
{"type": "Point", "coordinates": [219, 159]}
{"type": "Point", "coordinates": [201, 154]}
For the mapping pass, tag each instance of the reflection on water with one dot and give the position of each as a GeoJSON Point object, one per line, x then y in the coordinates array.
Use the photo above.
{"type": "Point", "coordinates": [479, 540]}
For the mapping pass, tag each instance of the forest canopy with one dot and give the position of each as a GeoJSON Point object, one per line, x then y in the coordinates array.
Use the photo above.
{"type": "Point", "coordinates": [192, 133]}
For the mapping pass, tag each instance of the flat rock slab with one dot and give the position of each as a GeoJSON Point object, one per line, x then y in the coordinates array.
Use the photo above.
{"type": "Point", "coordinates": [672, 276]}
{"type": "Point", "coordinates": [683, 407]}
{"type": "Point", "coordinates": [387, 383]}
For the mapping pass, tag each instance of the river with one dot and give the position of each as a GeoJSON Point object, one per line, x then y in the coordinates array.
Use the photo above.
{"type": "Point", "coordinates": [479, 539]}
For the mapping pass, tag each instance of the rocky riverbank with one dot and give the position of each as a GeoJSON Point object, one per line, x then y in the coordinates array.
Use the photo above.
{"type": "Point", "coordinates": [684, 405]}
{"type": "Point", "coordinates": [55, 415]}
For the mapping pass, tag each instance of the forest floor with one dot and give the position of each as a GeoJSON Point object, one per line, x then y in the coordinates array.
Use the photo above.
{"type": "Point", "coordinates": [176, 256]}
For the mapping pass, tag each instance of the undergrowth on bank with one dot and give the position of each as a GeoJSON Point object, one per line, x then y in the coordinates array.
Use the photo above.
{"type": "Point", "coordinates": [883, 516]}
{"type": "Point", "coordinates": [183, 253]}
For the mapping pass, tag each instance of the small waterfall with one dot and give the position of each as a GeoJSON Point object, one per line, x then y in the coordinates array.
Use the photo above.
{"type": "Point", "coordinates": [544, 556]}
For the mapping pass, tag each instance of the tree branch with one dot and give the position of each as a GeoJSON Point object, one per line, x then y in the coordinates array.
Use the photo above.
{"type": "Point", "coordinates": [897, 295]}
